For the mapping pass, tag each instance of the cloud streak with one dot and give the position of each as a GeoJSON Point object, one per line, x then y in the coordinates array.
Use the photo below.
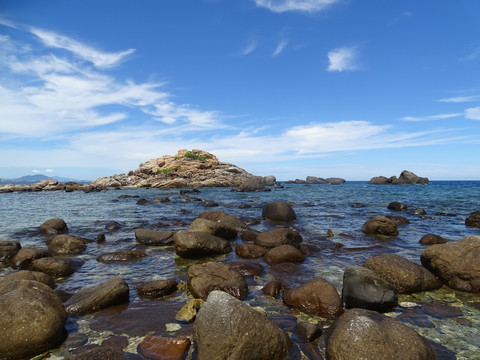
{"type": "Point", "coordinates": [431, 117]}
{"type": "Point", "coordinates": [307, 6]}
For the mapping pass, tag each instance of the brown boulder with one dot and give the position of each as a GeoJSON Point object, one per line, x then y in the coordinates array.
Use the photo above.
{"type": "Point", "coordinates": [246, 268]}
{"type": "Point", "coordinates": [190, 244]}
{"type": "Point", "coordinates": [163, 348]}
{"type": "Point", "coordinates": [432, 239]}
{"type": "Point", "coordinates": [204, 278]}
{"type": "Point", "coordinates": [282, 254]}
{"type": "Point", "coordinates": [366, 334]}
{"type": "Point", "coordinates": [279, 211]}
{"type": "Point", "coordinates": [215, 228]}
{"type": "Point", "coordinates": [473, 219]}
{"type": "Point", "coordinates": [66, 245]}
{"type": "Point", "coordinates": [157, 289]}
{"type": "Point", "coordinates": [250, 251]}
{"type": "Point", "coordinates": [154, 237]}
{"type": "Point", "coordinates": [380, 226]}
{"type": "Point", "coordinates": [277, 237]}
{"type": "Point", "coordinates": [457, 264]}
{"type": "Point", "coordinates": [24, 257]}
{"type": "Point", "coordinates": [403, 275]}
{"type": "Point", "coordinates": [316, 297]}
{"type": "Point", "coordinates": [55, 267]}
{"type": "Point", "coordinates": [53, 227]}
{"type": "Point", "coordinates": [31, 275]}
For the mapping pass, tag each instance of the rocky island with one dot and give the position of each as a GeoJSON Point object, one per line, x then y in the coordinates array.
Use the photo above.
{"type": "Point", "coordinates": [405, 178]}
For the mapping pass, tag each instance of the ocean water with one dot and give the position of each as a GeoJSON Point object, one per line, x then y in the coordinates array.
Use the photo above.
{"type": "Point", "coordinates": [319, 208]}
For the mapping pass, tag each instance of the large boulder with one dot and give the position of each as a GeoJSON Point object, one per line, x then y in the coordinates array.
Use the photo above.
{"type": "Point", "coordinates": [403, 275]}
{"type": "Point", "coordinates": [363, 288]}
{"type": "Point", "coordinates": [8, 249]}
{"type": "Point", "coordinates": [277, 237]}
{"type": "Point", "coordinates": [315, 297]}
{"type": "Point", "coordinates": [154, 237]}
{"type": "Point", "coordinates": [380, 226]}
{"type": "Point", "coordinates": [189, 244]}
{"type": "Point", "coordinates": [457, 264]}
{"type": "Point", "coordinates": [53, 227]}
{"type": "Point", "coordinates": [366, 334]}
{"type": "Point", "coordinates": [66, 245]}
{"type": "Point", "coordinates": [473, 219]}
{"type": "Point", "coordinates": [284, 253]}
{"type": "Point", "coordinates": [215, 228]}
{"type": "Point", "coordinates": [226, 328]}
{"type": "Point", "coordinates": [111, 292]}
{"type": "Point", "coordinates": [204, 278]}
{"type": "Point", "coordinates": [33, 319]}
{"type": "Point", "coordinates": [279, 211]}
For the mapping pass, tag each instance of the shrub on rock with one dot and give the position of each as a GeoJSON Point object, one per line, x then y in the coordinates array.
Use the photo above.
{"type": "Point", "coordinates": [33, 319]}
{"type": "Point", "coordinates": [226, 328]}
{"type": "Point", "coordinates": [366, 334]}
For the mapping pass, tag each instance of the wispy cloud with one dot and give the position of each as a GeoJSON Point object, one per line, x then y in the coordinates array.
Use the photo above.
{"type": "Point", "coordinates": [473, 113]}
{"type": "Point", "coordinates": [461, 99]}
{"type": "Point", "coordinates": [343, 59]}
{"type": "Point", "coordinates": [431, 117]}
{"type": "Point", "coordinates": [280, 47]}
{"type": "Point", "coordinates": [472, 56]}
{"type": "Point", "coordinates": [308, 6]}
{"type": "Point", "coordinates": [249, 48]}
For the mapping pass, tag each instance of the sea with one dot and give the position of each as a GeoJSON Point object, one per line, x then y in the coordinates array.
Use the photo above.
{"type": "Point", "coordinates": [336, 210]}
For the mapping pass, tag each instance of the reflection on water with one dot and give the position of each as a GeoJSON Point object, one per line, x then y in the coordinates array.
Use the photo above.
{"type": "Point", "coordinates": [319, 208]}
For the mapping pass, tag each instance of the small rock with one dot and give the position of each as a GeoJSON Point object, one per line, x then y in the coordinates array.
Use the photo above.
{"type": "Point", "coordinates": [277, 237]}
{"type": "Point", "coordinates": [431, 239]}
{"type": "Point", "coordinates": [246, 268]}
{"type": "Point", "coordinates": [275, 288]}
{"type": "Point", "coordinates": [284, 253]}
{"type": "Point", "coordinates": [397, 206]}
{"type": "Point", "coordinates": [250, 251]}
{"type": "Point", "coordinates": [189, 311]}
{"type": "Point", "coordinates": [157, 289]}
{"type": "Point", "coordinates": [163, 348]}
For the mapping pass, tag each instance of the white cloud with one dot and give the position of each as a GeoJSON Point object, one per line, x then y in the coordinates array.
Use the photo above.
{"type": "Point", "coordinates": [308, 6]}
{"type": "Point", "coordinates": [343, 59]}
{"type": "Point", "coordinates": [280, 47]}
{"type": "Point", "coordinates": [473, 113]}
{"type": "Point", "coordinates": [430, 118]}
{"type": "Point", "coordinates": [249, 48]}
{"type": "Point", "coordinates": [461, 99]}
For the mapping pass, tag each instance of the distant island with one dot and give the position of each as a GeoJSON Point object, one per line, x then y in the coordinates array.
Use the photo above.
{"type": "Point", "coordinates": [33, 179]}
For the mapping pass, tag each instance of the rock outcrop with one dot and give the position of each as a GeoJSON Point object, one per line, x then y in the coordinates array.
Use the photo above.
{"type": "Point", "coordinates": [313, 180]}
{"type": "Point", "coordinates": [196, 168]}
{"type": "Point", "coordinates": [405, 178]}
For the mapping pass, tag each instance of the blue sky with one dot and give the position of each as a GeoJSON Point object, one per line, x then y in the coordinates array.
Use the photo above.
{"type": "Point", "coordinates": [347, 88]}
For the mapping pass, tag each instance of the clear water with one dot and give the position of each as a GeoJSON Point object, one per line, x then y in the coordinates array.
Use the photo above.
{"type": "Point", "coordinates": [319, 208]}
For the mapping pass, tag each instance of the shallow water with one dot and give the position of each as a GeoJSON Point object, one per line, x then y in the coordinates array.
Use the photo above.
{"type": "Point", "coordinates": [318, 208]}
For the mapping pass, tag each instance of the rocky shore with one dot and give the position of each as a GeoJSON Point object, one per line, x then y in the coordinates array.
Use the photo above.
{"type": "Point", "coordinates": [214, 321]}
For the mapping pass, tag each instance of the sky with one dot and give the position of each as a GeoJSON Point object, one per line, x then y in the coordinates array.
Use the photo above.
{"type": "Point", "coordinates": [290, 88]}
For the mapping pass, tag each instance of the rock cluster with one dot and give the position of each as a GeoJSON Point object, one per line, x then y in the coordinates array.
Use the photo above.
{"type": "Point", "coordinates": [311, 180]}
{"type": "Point", "coordinates": [405, 178]}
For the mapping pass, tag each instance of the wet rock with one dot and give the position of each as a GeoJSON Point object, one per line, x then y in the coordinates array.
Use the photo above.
{"type": "Point", "coordinates": [246, 268]}
{"type": "Point", "coordinates": [275, 288]}
{"type": "Point", "coordinates": [210, 203]}
{"type": "Point", "coordinates": [249, 235]}
{"type": "Point", "coordinates": [66, 245]}
{"type": "Point", "coordinates": [363, 288]}
{"type": "Point", "coordinates": [25, 256]}
{"type": "Point", "coordinates": [111, 292]}
{"type": "Point", "coordinates": [214, 228]}
{"type": "Point", "coordinates": [154, 237]}
{"type": "Point", "coordinates": [33, 319]}
{"type": "Point", "coordinates": [56, 267]}
{"type": "Point", "coordinates": [157, 289]}
{"type": "Point", "coordinates": [403, 275]}
{"type": "Point", "coordinates": [189, 311]}
{"type": "Point", "coordinates": [97, 352]}
{"type": "Point", "coordinates": [399, 220]}
{"type": "Point", "coordinates": [366, 334]}
{"type": "Point", "coordinates": [31, 275]}
{"type": "Point", "coordinates": [163, 348]}
{"type": "Point", "coordinates": [205, 278]}
{"type": "Point", "coordinates": [307, 331]}
{"type": "Point", "coordinates": [397, 206]}
{"type": "Point", "coordinates": [250, 251]}
{"type": "Point", "coordinates": [112, 226]}
{"type": "Point", "coordinates": [419, 211]}
{"type": "Point", "coordinates": [279, 211]}
{"type": "Point", "coordinates": [53, 227]}
{"type": "Point", "coordinates": [122, 256]}
{"type": "Point", "coordinates": [473, 219]}
{"type": "Point", "coordinates": [214, 215]}
{"type": "Point", "coordinates": [119, 342]}
{"type": "Point", "coordinates": [415, 316]}
{"type": "Point", "coordinates": [315, 297]}
{"type": "Point", "coordinates": [380, 226]}
{"type": "Point", "coordinates": [8, 249]}
{"type": "Point", "coordinates": [226, 328]}
{"type": "Point", "coordinates": [277, 237]}
{"type": "Point", "coordinates": [441, 311]}
{"type": "Point", "coordinates": [432, 239]}
{"type": "Point", "coordinates": [143, 202]}
{"type": "Point", "coordinates": [284, 253]}
{"type": "Point", "coordinates": [190, 244]}
{"type": "Point", "coordinates": [232, 222]}
{"type": "Point", "coordinates": [457, 264]}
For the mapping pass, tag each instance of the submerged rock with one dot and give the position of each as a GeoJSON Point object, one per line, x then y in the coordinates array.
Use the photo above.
{"type": "Point", "coordinates": [111, 292]}
{"type": "Point", "coordinates": [122, 256]}
{"type": "Point", "coordinates": [226, 328]}
{"type": "Point", "coordinates": [33, 319]}
{"type": "Point", "coordinates": [457, 264]}
{"type": "Point", "coordinates": [366, 334]}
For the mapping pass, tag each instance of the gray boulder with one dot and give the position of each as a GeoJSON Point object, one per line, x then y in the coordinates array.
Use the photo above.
{"type": "Point", "coordinates": [205, 278]}
{"type": "Point", "coordinates": [366, 334]}
{"type": "Point", "coordinates": [315, 180]}
{"type": "Point", "coordinates": [335, 181]}
{"type": "Point", "coordinates": [456, 264]}
{"type": "Point", "coordinates": [226, 328]}
{"type": "Point", "coordinates": [111, 292]}
{"type": "Point", "coordinates": [405, 178]}
{"type": "Point", "coordinates": [403, 275]}
{"type": "Point", "coordinates": [154, 237]}
{"type": "Point", "coordinates": [279, 211]}
{"type": "Point", "coordinates": [363, 288]}
{"type": "Point", "coordinates": [33, 319]}
{"type": "Point", "coordinates": [189, 244]}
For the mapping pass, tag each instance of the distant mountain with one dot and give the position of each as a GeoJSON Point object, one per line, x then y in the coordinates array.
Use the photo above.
{"type": "Point", "coordinates": [32, 179]}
